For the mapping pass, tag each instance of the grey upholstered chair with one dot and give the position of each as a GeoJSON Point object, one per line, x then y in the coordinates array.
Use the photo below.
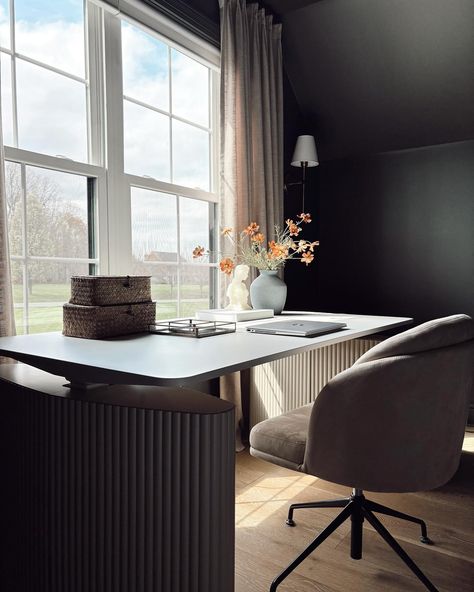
{"type": "Point", "coordinates": [393, 422]}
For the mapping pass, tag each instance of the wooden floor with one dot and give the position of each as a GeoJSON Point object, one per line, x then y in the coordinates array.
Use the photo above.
{"type": "Point", "coordinates": [264, 545]}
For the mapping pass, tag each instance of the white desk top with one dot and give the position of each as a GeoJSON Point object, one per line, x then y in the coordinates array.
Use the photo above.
{"type": "Point", "coordinates": [170, 360]}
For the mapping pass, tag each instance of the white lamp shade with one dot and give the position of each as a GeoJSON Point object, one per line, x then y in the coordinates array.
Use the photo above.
{"type": "Point", "coordinates": [305, 151]}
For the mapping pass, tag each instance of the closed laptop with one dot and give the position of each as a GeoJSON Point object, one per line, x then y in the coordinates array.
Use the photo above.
{"type": "Point", "coordinates": [297, 328]}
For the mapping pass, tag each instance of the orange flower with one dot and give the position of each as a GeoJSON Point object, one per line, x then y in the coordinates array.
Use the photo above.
{"type": "Point", "coordinates": [301, 246]}
{"type": "Point", "coordinates": [311, 246]}
{"type": "Point", "coordinates": [307, 258]}
{"type": "Point", "coordinates": [277, 250]}
{"type": "Point", "coordinates": [226, 265]}
{"type": "Point", "coordinates": [251, 229]}
{"type": "Point", "coordinates": [226, 231]}
{"type": "Point", "coordinates": [258, 238]}
{"type": "Point", "coordinates": [198, 252]}
{"type": "Point", "coordinates": [293, 228]}
{"type": "Point", "coordinates": [305, 217]}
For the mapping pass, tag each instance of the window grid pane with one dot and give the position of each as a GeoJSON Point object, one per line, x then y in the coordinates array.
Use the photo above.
{"type": "Point", "coordinates": [48, 212]}
{"type": "Point", "coordinates": [52, 119]}
{"type": "Point", "coordinates": [190, 156]}
{"type": "Point", "coordinates": [5, 38]}
{"type": "Point", "coordinates": [179, 286]}
{"type": "Point", "coordinates": [7, 100]}
{"type": "Point", "coordinates": [52, 34]}
{"type": "Point", "coordinates": [57, 214]}
{"type": "Point", "coordinates": [145, 66]}
{"type": "Point", "coordinates": [164, 88]}
{"type": "Point", "coordinates": [47, 99]}
{"type": "Point", "coordinates": [146, 142]}
{"type": "Point", "coordinates": [167, 133]}
{"type": "Point", "coordinates": [187, 74]}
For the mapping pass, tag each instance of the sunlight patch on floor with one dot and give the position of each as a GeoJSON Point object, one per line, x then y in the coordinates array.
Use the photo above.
{"type": "Point", "coordinates": [468, 445]}
{"type": "Point", "coordinates": [270, 488]}
{"type": "Point", "coordinates": [253, 514]}
{"type": "Point", "coordinates": [266, 496]}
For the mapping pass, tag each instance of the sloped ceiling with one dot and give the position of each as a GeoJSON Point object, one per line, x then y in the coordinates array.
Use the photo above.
{"type": "Point", "coordinates": [378, 75]}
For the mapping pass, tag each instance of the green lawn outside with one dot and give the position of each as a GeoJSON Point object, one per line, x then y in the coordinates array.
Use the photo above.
{"type": "Point", "coordinates": [41, 320]}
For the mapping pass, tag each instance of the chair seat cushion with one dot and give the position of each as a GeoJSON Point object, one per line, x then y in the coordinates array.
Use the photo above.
{"type": "Point", "coordinates": [282, 439]}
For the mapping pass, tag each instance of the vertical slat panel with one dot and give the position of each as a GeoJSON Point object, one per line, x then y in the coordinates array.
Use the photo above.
{"type": "Point", "coordinates": [149, 501]}
{"type": "Point", "coordinates": [283, 385]}
{"type": "Point", "coordinates": [115, 484]}
{"type": "Point", "coordinates": [119, 499]}
{"type": "Point", "coordinates": [165, 449]}
{"type": "Point", "coordinates": [175, 516]}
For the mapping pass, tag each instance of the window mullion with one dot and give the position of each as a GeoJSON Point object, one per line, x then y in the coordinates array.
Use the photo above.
{"type": "Point", "coordinates": [180, 269]}
{"type": "Point", "coordinates": [13, 73]}
{"type": "Point", "coordinates": [170, 99]}
{"type": "Point", "coordinates": [118, 190]}
{"type": "Point", "coordinates": [214, 103]}
{"type": "Point", "coordinates": [26, 271]}
{"type": "Point", "coordinates": [95, 95]}
{"type": "Point", "coordinates": [97, 131]}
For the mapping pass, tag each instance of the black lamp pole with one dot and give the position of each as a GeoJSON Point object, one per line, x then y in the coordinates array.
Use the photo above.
{"type": "Point", "coordinates": [303, 182]}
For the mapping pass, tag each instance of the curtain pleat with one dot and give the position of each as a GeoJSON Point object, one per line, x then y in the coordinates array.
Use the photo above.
{"type": "Point", "coordinates": [7, 319]}
{"type": "Point", "coordinates": [251, 135]}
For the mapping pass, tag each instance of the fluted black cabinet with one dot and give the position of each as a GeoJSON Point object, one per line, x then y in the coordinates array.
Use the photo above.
{"type": "Point", "coordinates": [114, 489]}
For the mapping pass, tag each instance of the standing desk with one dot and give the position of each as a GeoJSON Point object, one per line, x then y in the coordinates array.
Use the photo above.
{"type": "Point", "coordinates": [115, 488]}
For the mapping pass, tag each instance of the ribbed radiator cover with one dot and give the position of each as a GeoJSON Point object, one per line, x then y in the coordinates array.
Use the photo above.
{"type": "Point", "coordinates": [283, 385]}
{"type": "Point", "coordinates": [104, 498]}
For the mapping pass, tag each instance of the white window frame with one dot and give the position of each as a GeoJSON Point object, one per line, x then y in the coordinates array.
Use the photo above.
{"type": "Point", "coordinates": [62, 164]}
{"type": "Point", "coordinates": [105, 142]}
{"type": "Point", "coordinates": [120, 182]}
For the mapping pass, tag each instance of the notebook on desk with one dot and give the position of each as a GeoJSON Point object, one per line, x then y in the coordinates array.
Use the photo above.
{"type": "Point", "coordinates": [297, 328]}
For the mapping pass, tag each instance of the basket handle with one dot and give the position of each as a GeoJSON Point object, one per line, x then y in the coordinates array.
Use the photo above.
{"type": "Point", "coordinates": [126, 283]}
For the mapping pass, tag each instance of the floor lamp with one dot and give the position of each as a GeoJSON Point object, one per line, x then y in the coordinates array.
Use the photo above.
{"type": "Point", "coordinates": [304, 156]}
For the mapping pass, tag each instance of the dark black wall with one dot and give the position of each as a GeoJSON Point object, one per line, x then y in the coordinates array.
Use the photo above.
{"type": "Point", "coordinates": [379, 75]}
{"type": "Point", "coordinates": [396, 227]}
{"type": "Point", "coordinates": [397, 235]}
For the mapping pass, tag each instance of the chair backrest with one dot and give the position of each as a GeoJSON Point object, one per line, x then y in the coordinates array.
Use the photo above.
{"type": "Point", "coordinates": [395, 420]}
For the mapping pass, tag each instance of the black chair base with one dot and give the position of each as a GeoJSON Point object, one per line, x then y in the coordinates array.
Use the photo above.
{"type": "Point", "coordinates": [357, 508]}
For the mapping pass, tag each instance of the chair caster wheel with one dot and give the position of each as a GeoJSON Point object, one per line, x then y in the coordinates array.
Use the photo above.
{"type": "Point", "coordinates": [426, 540]}
{"type": "Point", "coordinates": [290, 522]}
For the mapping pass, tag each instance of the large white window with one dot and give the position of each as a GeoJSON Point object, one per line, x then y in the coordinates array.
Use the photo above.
{"type": "Point", "coordinates": [109, 128]}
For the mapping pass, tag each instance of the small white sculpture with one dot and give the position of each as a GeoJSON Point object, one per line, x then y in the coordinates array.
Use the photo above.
{"type": "Point", "coordinates": [237, 292]}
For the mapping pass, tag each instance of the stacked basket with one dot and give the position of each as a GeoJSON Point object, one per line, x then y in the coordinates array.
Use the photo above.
{"type": "Point", "coordinates": [106, 306]}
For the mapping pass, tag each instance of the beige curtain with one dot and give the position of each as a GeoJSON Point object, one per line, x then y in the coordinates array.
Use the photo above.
{"type": "Point", "coordinates": [251, 134]}
{"type": "Point", "coordinates": [7, 322]}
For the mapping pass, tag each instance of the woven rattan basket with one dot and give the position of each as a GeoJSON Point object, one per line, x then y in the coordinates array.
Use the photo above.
{"type": "Point", "coordinates": [97, 322]}
{"type": "Point", "coordinates": [89, 290]}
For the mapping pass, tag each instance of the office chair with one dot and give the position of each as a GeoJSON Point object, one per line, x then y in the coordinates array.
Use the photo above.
{"type": "Point", "coordinates": [393, 422]}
